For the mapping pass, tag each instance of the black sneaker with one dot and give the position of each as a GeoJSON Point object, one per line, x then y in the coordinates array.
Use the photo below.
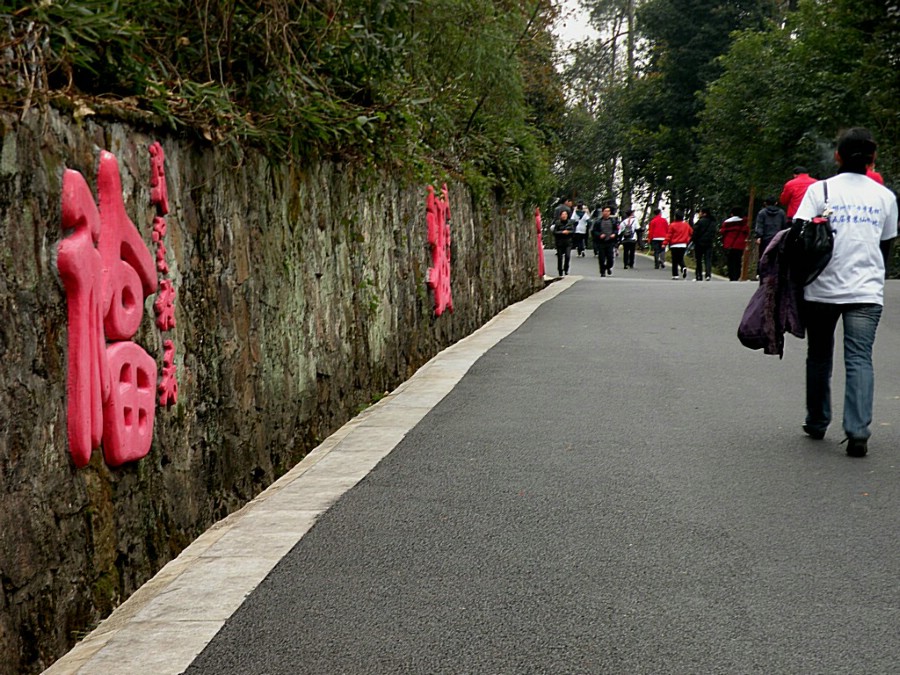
{"type": "Point", "coordinates": [857, 447]}
{"type": "Point", "coordinates": [684, 272]}
{"type": "Point", "coordinates": [815, 434]}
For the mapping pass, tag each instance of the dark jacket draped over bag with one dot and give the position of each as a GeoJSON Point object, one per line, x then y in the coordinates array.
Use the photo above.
{"type": "Point", "coordinates": [774, 308]}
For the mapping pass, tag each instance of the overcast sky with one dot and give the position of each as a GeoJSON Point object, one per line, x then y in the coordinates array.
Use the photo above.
{"type": "Point", "coordinates": [572, 25]}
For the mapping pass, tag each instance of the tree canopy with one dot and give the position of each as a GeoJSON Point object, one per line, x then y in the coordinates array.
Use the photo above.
{"type": "Point", "coordinates": [723, 98]}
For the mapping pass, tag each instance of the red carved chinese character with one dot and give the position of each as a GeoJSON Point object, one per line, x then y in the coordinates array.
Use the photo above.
{"type": "Point", "coordinates": [159, 192]}
{"type": "Point", "coordinates": [540, 234]}
{"type": "Point", "coordinates": [129, 272]}
{"type": "Point", "coordinates": [168, 385]}
{"type": "Point", "coordinates": [164, 306]}
{"type": "Point", "coordinates": [128, 413]}
{"type": "Point", "coordinates": [159, 229]}
{"type": "Point", "coordinates": [105, 290]}
{"type": "Point", "coordinates": [81, 270]}
{"type": "Point", "coordinates": [161, 265]}
{"type": "Point", "coordinates": [438, 217]}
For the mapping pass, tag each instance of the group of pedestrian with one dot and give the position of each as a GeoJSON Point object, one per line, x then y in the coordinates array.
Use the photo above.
{"type": "Point", "coordinates": [679, 236]}
{"type": "Point", "coordinates": [573, 226]}
{"type": "Point", "coordinates": [607, 233]}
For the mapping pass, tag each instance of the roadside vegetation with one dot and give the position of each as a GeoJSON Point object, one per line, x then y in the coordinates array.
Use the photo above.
{"type": "Point", "coordinates": [452, 88]}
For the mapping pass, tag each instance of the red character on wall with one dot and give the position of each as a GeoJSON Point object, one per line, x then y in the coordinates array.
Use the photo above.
{"type": "Point", "coordinates": [164, 306]}
{"type": "Point", "coordinates": [438, 219]}
{"type": "Point", "coordinates": [107, 272]}
{"type": "Point", "coordinates": [540, 232]}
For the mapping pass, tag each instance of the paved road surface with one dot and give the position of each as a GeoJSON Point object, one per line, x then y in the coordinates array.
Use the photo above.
{"type": "Point", "coordinates": [617, 487]}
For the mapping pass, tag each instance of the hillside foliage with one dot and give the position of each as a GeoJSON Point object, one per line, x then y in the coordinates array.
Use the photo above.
{"type": "Point", "coordinates": [443, 87]}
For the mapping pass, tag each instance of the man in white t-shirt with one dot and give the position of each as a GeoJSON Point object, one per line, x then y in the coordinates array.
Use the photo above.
{"type": "Point", "coordinates": [864, 219]}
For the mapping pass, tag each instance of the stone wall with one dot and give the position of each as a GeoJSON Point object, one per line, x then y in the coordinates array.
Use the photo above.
{"type": "Point", "coordinates": [301, 297]}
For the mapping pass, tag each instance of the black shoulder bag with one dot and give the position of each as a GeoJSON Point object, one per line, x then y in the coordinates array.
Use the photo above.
{"type": "Point", "coordinates": [811, 245]}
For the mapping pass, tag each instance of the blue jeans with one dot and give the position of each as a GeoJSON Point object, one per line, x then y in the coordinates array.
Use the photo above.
{"type": "Point", "coordinates": [860, 323]}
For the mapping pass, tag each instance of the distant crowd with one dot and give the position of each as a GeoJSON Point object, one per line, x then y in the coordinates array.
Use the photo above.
{"type": "Point", "coordinates": [575, 227]}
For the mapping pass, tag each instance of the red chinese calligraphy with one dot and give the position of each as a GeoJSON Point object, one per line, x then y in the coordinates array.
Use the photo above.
{"type": "Point", "coordinates": [159, 232]}
{"type": "Point", "coordinates": [129, 411]}
{"type": "Point", "coordinates": [538, 223]}
{"type": "Point", "coordinates": [107, 272]}
{"type": "Point", "coordinates": [159, 191]}
{"type": "Point", "coordinates": [81, 271]}
{"type": "Point", "coordinates": [128, 269]}
{"type": "Point", "coordinates": [164, 306]}
{"type": "Point", "coordinates": [168, 385]}
{"type": "Point", "coordinates": [438, 220]}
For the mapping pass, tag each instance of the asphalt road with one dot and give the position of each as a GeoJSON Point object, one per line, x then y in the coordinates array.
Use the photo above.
{"type": "Point", "coordinates": [617, 487]}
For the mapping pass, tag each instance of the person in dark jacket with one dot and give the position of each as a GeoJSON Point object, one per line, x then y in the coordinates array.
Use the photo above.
{"type": "Point", "coordinates": [604, 231]}
{"type": "Point", "coordinates": [703, 238]}
{"type": "Point", "coordinates": [770, 220]}
{"type": "Point", "coordinates": [563, 232]}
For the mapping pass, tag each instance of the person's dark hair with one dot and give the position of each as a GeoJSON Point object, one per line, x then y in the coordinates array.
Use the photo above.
{"type": "Point", "coordinates": [770, 201]}
{"type": "Point", "coordinates": [656, 212]}
{"type": "Point", "coordinates": [856, 148]}
{"type": "Point", "coordinates": [799, 169]}
{"type": "Point", "coordinates": [629, 212]}
{"type": "Point", "coordinates": [704, 211]}
{"type": "Point", "coordinates": [679, 215]}
{"type": "Point", "coordinates": [737, 211]}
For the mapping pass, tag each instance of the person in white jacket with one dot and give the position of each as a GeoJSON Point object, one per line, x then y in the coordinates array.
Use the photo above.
{"type": "Point", "coordinates": [628, 237]}
{"type": "Point", "coordinates": [863, 216]}
{"type": "Point", "coordinates": [581, 217]}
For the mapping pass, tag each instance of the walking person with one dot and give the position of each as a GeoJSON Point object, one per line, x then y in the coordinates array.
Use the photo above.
{"type": "Point", "coordinates": [581, 218]}
{"type": "Point", "coordinates": [628, 238]}
{"type": "Point", "coordinates": [735, 232]}
{"type": "Point", "coordinates": [769, 221]}
{"type": "Point", "coordinates": [604, 231]}
{"type": "Point", "coordinates": [564, 204]}
{"type": "Point", "coordinates": [677, 239]}
{"type": "Point", "coordinates": [639, 230]}
{"type": "Point", "coordinates": [703, 238]}
{"type": "Point", "coordinates": [596, 214]}
{"type": "Point", "coordinates": [656, 234]}
{"type": "Point", "coordinates": [851, 288]}
{"type": "Point", "coordinates": [793, 191]}
{"type": "Point", "coordinates": [562, 234]}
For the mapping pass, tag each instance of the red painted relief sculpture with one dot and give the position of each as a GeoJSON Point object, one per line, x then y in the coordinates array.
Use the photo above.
{"type": "Point", "coordinates": [159, 191]}
{"type": "Point", "coordinates": [168, 385]}
{"type": "Point", "coordinates": [107, 272]}
{"type": "Point", "coordinates": [438, 219]}
{"type": "Point", "coordinates": [540, 232]}
{"type": "Point", "coordinates": [164, 306]}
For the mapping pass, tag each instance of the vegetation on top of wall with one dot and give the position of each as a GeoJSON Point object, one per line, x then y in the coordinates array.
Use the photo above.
{"type": "Point", "coordinates": [454, 87]}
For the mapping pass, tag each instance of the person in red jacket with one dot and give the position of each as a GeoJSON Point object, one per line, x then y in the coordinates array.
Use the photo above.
{"type": "Point", "coordinates": [793, 191]}
{"type": "Point", "coordinates": [677, 238]}
{"type": "Point", "coordinates": [734, 230]}
{"type": "Point", "coordinates": [656, 234]}
{"type": "Point", "coordinates": [874, 175]}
